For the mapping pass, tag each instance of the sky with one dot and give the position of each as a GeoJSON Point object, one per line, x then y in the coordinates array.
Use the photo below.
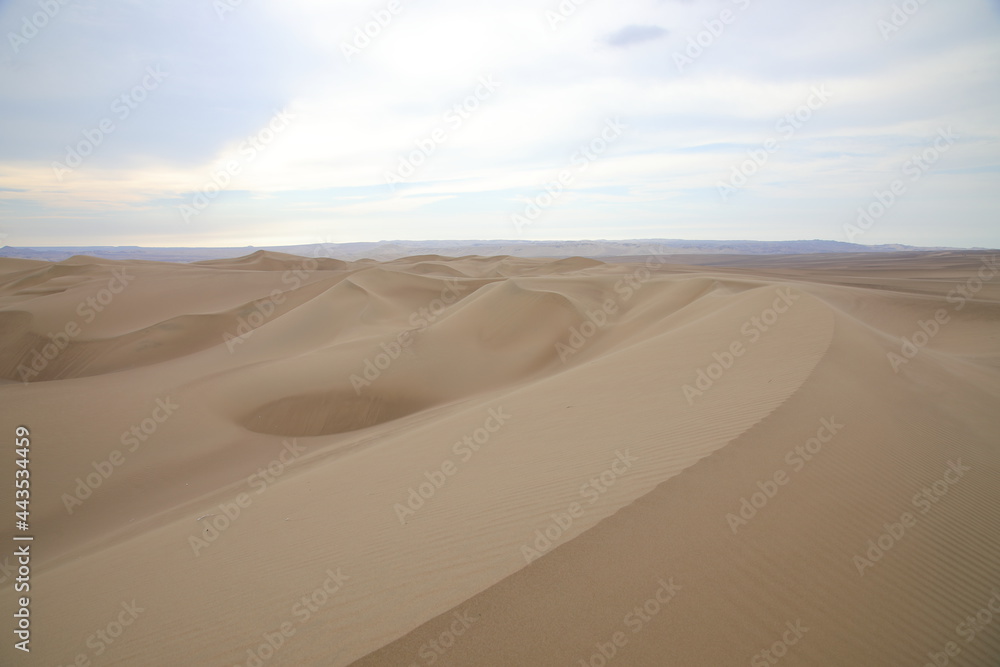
{"type": "Point", "coordinates": [246, 122]}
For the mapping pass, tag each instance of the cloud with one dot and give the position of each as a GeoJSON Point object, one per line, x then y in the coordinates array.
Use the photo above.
{"type": "Point", "coordinates": [635, 34]}
{"type": "Point", "coordinates": [356, 119]}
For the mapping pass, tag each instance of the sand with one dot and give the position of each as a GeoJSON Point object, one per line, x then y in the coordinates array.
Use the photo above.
{"type": "Point", "coordinates": [278, 460]}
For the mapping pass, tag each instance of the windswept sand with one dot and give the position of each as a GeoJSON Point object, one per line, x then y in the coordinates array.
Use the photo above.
{"type": "Point", "coordinates": [701, 463]}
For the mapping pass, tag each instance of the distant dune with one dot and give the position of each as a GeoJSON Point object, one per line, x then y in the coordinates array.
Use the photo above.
{"type": "Point", "coordinates": [390, 250]}
{"type": "Point", "coordinates": [467, 458]}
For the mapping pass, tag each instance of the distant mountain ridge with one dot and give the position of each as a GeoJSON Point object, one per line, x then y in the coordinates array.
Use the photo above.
{"type": "Point", "coordinates": [389, 250]}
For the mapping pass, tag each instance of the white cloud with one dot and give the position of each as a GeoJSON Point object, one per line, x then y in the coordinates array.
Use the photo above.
{"type": "Point", "coordinates": [355, 120]}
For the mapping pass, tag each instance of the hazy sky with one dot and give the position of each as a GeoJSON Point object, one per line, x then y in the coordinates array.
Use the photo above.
{"type": "Point", "coordinates": [236, 122]}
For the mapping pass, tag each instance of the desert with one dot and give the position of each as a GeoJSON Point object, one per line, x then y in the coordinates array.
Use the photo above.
{"type": "Point", "coordinates": [277, 459]}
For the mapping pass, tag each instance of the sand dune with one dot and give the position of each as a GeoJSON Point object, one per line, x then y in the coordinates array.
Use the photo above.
{"type": "Point", "coordinates": [278, 460]}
